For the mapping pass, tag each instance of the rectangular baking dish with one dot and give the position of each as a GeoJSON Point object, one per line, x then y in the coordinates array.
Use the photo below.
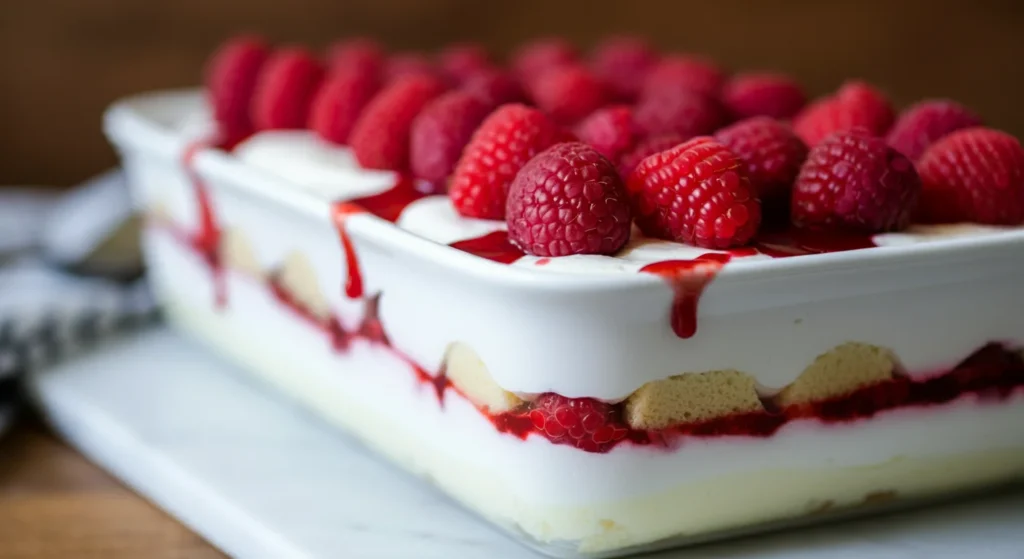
{"type": "Point", "coordinates": [439, 362]}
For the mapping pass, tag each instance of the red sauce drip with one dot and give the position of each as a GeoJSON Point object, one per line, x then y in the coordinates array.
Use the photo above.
{"type": "Point", "coordinates": [688, 278]}
{"type": "Point", "coordinates": [339, 337]}
{"type": "Point", "coordinates": [798, 242]}
{"type": "Point", "coordinates": [492, 246]}
{"type": "Point", "coordinates": [353, 288]}
{"type": "Point", "coordinates": [206, 240]}
{"type": "Point", "coordinates": [742, 251]}
{"type": "Point", "coordinates": [439, 383]}
{"type": "Point", "coordinates": [371, 328]}
{"type": "Point", "coordinates": [386, 205]}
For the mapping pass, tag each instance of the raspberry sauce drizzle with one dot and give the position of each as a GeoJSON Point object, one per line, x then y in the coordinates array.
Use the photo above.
{"type": "Point", "coordinates": [340, 213]}
{"type": "Point", "coordinates": [206, 240]}
{"type": "Point", "coordinates": [492, 246]}
{"type": "Point", "coordinates": [387, 205]}
{"type": "Point", "coordinates": [798, 242]}
{"type": "Point", "coordinates": [688, 279]}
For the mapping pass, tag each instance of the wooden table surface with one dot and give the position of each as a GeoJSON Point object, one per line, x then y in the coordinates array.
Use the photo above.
{"type": "Point", "coordinates": [56, 504]}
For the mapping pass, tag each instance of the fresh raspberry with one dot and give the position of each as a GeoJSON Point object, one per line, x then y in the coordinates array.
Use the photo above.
{"type": "Point", "coordinates": [584, 423]}
{"type": "Point", "coordinates": [680, 112]}
{"type": "Point", "coordinates": [923, 124]}
{"type": "Point", "coordinates": [231, 77]}
{"type": "Point", "coordinates": [406, 64]}
{"type": "Point", "coordinates": [773, 95]}
{"type": "Point", "coordinates": [609, 130]}
{"type": "Point", "coordinates": [462, 61]}
{"type": "Point", "coordinates": [976, 174]}
{"type": "Point", "coordinates": [380, 136]}
{"type": "Point", "coordinates": [695, 193]}
{"type": "Point", "coordinates": [683, 73]}
{"type": "Point", "coordinates": [568, 93]}
{"type": "Point", "coordinates": [622, 64]}
{"type": "Point", "coordinates": [359, 55]}
{"type": "Point", "coordinates": [285, 90]}
{"type": "Point", "coordinates": [876, 110]}
{"type": "Point", "coordinates": [494, 87]}
{"type": "Point", "coordinates": [855, 181]}
{"type": "Point", "coordinates": [568, 200]}
{"type": "Point", "coordinates": [536, 57]}
{"type": "Point", "coordinates": [644, 149]}
{"type": "Point", "coordinates": [504, 142]}
{"type": "Point", "coordinates": [820, 118]}
{"type": "Point", "coordinates": [855, 105]}
{"type": "Point", "coordinates": [771, 153]}
{"type": "Point", "coordinates": [440, 132]}
{"type": "Point", "coordinates": [339, 103]}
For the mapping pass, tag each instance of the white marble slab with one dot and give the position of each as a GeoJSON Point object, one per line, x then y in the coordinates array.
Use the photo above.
{"type": "Point", "coordinates": [259, 477]}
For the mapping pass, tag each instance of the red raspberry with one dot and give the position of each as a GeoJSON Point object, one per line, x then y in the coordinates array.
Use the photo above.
{"type": "Point", "coordinates": [771, 153]}
{"type": "Point", "coordinates": [854, 181]}
{"type": "Point", "coordinates": [584, 423]}
{"type": "Point", "coordinates": [622, 64]}
{"type": "Point", "coordinates": [231, 76]}
{"type": "Point", "coordinates": [976, 174]}
{"type": "Point", "coordinates": [876, 110]}
{"type": "Point", "coordinates": [609, 130]}
{"type": "Point", "coordinates": [380, 137]}
{"type": "Point", "coordinates": [494, 87]}
{"type": "Point", "coordinates": [773, 95]}
{"type": "Point", "coordinates": [462, 61]}
{"type": "Point", "coordinates": [440, 132]}
{"type": "Point", "coordinates": [285, 90]}
{"type": "Point", "coordinates": [568, 200]}
{"type": "Point", "coordinates": [680, 112]}
{"type": "Point", "coordinates": [536, 57]}
{"type": "Point", "coordinates": [568, 93]}
{"type": "Point", "coordinates": [408, 64]}
{"type": "Point", "coordinates": [923, 124]}
{"type": "Point", "coordinates": [646, 148]}
{"type": "Point", "coordinates": [695, 193]}
{"type": "Point", "coordinates": [683, 73]}
{"type": "Point", "coordinates": [504, 142]}
{"type": "Point", "coordinates": [339, 103]}
{"type": "Point", "coordinates": [360, 55]}
{"type": "Point", "coordinates": [855, 105]}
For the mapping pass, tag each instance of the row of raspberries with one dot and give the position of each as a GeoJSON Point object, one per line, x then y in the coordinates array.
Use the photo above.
{"type": "Point", "coordinates": [572, 150]}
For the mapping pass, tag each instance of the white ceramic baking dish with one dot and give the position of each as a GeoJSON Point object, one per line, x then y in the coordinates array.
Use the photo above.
{"type": "Point", "coordinates": [537, 330]}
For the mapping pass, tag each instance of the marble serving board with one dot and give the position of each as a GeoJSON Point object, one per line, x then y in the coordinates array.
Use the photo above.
{"type": "Point", "coordinates": [259, 477]}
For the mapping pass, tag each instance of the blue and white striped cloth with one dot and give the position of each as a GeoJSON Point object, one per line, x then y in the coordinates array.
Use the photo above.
{"type": "Point", "coordinates": [47, 312]}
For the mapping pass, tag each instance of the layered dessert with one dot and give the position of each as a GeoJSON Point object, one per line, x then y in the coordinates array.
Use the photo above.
{"type": "Point", "coordinates": [610, 303]}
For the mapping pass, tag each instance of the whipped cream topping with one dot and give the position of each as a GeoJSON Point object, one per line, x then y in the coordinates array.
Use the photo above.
{"type": "Point", "coordinates": [916, 234]}
{"type": "Point", "coordinates": [303, 159]}
{"type": "Point", "coordinates": [435, 218]}
{"type": "Point", "coordinates": [197, 124]}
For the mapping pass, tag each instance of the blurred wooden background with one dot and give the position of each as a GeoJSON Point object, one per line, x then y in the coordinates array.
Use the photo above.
{"type": "Point", "coordinates": [63, 61]}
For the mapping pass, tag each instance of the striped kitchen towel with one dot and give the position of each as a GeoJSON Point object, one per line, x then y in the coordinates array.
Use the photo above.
{"type": "Point", "coordinates": [48, 310]}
